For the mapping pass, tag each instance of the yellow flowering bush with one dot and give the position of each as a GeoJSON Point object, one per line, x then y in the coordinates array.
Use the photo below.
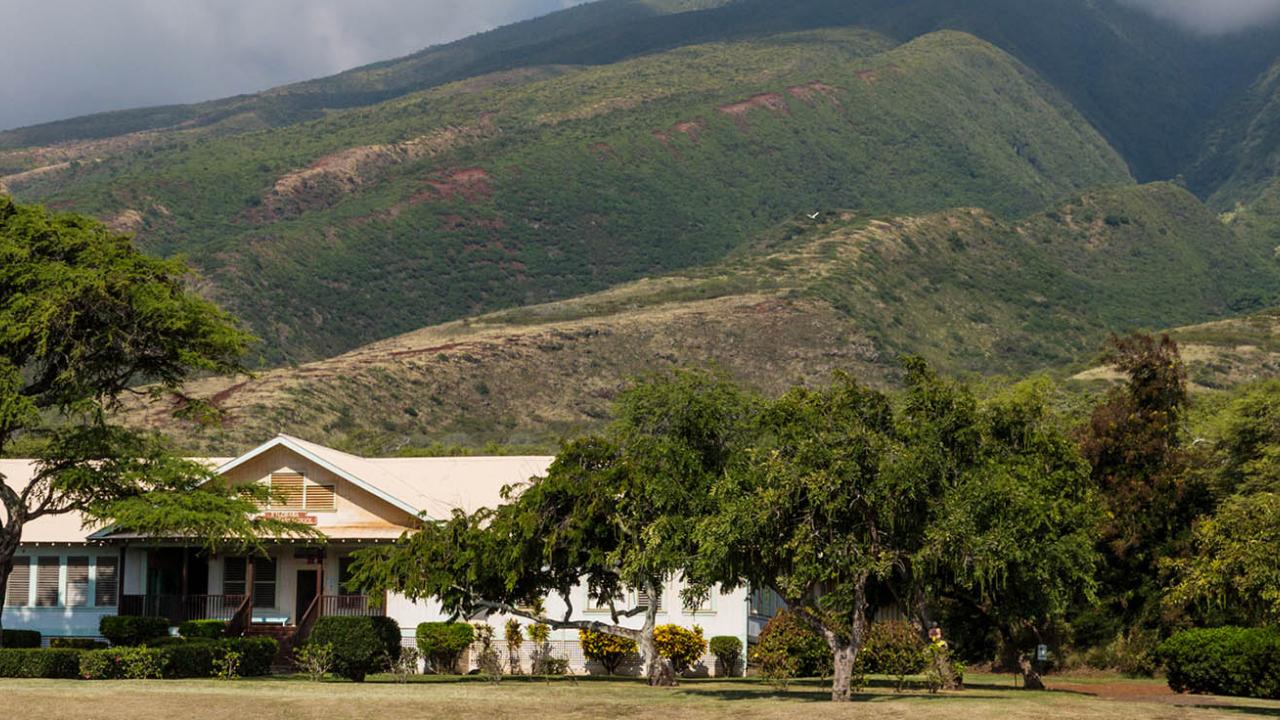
{"type": "Point", "coordinates": [683, 647]}
{"type": "Point", "coordinates": [608, 650]}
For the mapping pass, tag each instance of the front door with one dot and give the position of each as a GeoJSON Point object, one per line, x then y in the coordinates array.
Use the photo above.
{"type": "Point", "coordinates": [306, 592]}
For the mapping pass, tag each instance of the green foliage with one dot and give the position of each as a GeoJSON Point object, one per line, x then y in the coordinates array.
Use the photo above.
{"type": "Point", "coordinates": [124, 663]}
{"type": "Point", "coordinates": [513, 633]}
{"type": "Point", "coordinates": [487, 660]}
{"type": "Point", "coordinates": [21, 639]}
{"type": "Point", "coordinates": [1224, 661]}
{"type": "Point", "coordinates": [360, 644]}
{"type": "Point", "coordinates": [127, 630]}
{"type": "Point", "coordinates": [39, 663]}
{"type": "Point", "coordinates": [893, 648]}
{"type": "Point", "coordinates": [75, 643]}
{"type": "Point", "coordinates": [787, 644]}
{"type": "Point", "coordinates": [442, 644]}
{"type": "Point", "coordinates": [200, 658]}
{"type": "Point", "coordinates": [256, 654]}
{"type": "Point", "coordinates": [608, 650]}
{"type": "Point", "coordinates": [314, 659]}
{"type": "Point", "coordinates": [211, 629]}
{"type": "Point", "coordinates": [728, 652]}
{"type": "Point", "coordinates": [1232, 565]}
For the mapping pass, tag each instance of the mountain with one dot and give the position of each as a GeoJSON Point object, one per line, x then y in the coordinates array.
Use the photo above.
{"type": "Point", "coordinates": [525, 187]}
{"type": "Point", "coordinates": [1150, 87]}
{"type": "Point", "coordinates": [969, 291]}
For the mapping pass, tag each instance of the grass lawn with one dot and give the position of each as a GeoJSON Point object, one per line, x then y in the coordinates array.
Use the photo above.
{"type": "Point", "coordinates": [294, 698]}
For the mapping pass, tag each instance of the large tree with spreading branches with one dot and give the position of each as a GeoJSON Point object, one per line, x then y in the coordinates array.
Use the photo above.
{"type": "Point", "coordinates": [86, 318]}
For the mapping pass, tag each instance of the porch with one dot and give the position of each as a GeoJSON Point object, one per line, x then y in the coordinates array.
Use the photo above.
{"type": "Point", "coordinates": [281, 594]}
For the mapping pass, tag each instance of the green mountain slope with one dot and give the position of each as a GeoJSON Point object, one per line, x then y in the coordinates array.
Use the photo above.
{"type": "Point", "coordinates": [1148, 86]}
{"type": "Point", "coordinates": [969, 291]}
{"type": "Point", "coordinates": [482, 195]}
{"type": "Point", "coordinates": [1241, 158]}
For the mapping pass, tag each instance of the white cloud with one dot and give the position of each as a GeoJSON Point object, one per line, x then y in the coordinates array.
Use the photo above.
{"type": "Point", "coordinates": [61, 58]}
{"type": "Point", "coordinates": [1214, 17]}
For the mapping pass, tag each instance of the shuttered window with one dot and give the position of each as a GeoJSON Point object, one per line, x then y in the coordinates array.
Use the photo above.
{"type": "Point", "coordinates": [264, 583]}
{"type": "Point", "coordinates": [286, 491]}
{"type": "Point", "coordinates": [643, 600]}
{"type": "Point", "coordinates": [77, 581]}
{"type": "Point", "coordinates": [106, 584]}
{"type": "Point", "coordinates": [319, 498]}
{"type": "Point", "coordinates": [48, 570]}
{"type": "Point", "coordinates": [19, 590]}
{"type": "Point", "coordinates": [264, 580]}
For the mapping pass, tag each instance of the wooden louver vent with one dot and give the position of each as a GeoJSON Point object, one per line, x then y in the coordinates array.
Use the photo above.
{"type": "Point", "coordinates": [47, 571]}
{"type": "Point", "coordinates": [319, 497]}
{"type": "Point", "coordinates": [19, 590]}
{"type": "Point", "coordinates": [106, 587]}
{"type": "Point", "coordinates": [643, 600]}
{"type": "Point", "coordinates": [286, 491]}
{"type": "Point", "coordinates": [77, 581]}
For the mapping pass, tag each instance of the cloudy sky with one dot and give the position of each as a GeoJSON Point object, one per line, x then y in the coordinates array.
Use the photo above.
{"type": "Point", "coordinates": [62, 58]}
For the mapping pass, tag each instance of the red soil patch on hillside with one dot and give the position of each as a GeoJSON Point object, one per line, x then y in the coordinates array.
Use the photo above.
{"type": "Point", "coordinates": [603, 151]}
{"type": "Point", "coordinates": [773, 102]}
{"type": "Point", "coordinates": [871, 77]}
{"type": "Point", "coordinates": [809, 94]}
{"type": "Point", "coordinates": [689, 128]}
{"type": "Point", "coordinates": [471, 184]}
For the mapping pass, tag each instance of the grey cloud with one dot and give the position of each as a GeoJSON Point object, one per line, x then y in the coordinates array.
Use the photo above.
{"type": "Point", "coordinates": [1214, 17]}
{"type": "Point", "coordinates": [62, 58]}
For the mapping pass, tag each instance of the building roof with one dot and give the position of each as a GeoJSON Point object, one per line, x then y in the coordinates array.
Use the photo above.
{"type": "Point", "coordinates": [433, 487]}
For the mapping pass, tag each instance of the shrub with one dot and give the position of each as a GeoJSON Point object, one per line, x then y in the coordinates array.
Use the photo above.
{"type": "Point", "coordinates": [256, 654]}
{"type": "Point", "coordinates": [514, 635]}
{"type": "Point", "coordinates": [39, 663]}
{"type": "Point", "coordinates": [406, 666]}
{"type": "Point", "coordinates": [125, 631]}
{"type": "Point", "coordinates": [487, 659]}
{"type": "Point", "coordinates": [190, 659]}
{"type": "Point", "coordinates": [76, 643]}
{"type": "Point", "coordinates": [683, 647]}
{"type": "Point", "coordinates": [442, 644]}
{"type": "Point", "coordinates": [608, 650]}
{"type": "Point", "coordinates": [728, 652]}
{"type": "Point", "coordinates": [209, 629]}
{"type": "Point", "coordinates": [227, 667]}
{"type": "Point", "coordinates": [541, 661]}
{"type": "Point", "coordinates": [123, 663]}
{"type": "Point", "coordinates": [314, 659]}
{"type": "Point", "coordinates": [21, 638]}
{"type": "Point", "coordinates": [786, 636]}
{"type": "Point", "coordinates": [893, 648]}
{"type": "Point", "coordinates": [1224, 661]}
{"type": "Point", "coordinates": [360, 644]}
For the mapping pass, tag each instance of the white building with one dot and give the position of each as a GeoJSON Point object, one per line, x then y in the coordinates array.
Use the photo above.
{"type": "Point", "coordinates": [67, 576]}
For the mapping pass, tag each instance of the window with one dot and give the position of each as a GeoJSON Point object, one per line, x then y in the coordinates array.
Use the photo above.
{"type": "Point", "coordinates": [234, 579]}
{"type": "Point", "coordinates": [643, 600]}
{"type": "Point", "coordinates": [703, 606]}
{"type": "Point", "coordinates": [344, 577]}
{"type": "Point", "coordinates": [286, 491]}
{"type": "Point", "coordinates": [19, 591]}
{"type": "Point", "coordinates": [77, 581]}
{"type": "Point", "coordinates": [292, 491]}
{"type": "Point", "coordinates": [766, 602]}
{"type": "Point", "coordinates": [48, 576]}
{"type": "Point", "coordinates": [107, 584]}
{"type": "Point", "coordinates": [233, 573]}
{"type": "Point", "coordinates": [319, 498]}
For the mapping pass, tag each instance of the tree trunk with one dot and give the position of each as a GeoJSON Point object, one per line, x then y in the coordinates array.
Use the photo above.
{"type": "Point", "coordinates": [6, 567]}
{"type": "Point", "coordinates": [656, 668]}
{"type": "Point", "coordinates": [846, 651]}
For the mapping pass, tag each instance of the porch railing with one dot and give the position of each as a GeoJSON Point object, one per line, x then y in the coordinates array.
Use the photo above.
{"type": "Point", "coordinates": [357, 605]}
{"type": "Point", "coordinates": [181, 608]}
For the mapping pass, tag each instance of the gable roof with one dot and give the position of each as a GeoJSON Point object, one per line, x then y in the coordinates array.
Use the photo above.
{"type": "Point", "coordinates": [432, 487]}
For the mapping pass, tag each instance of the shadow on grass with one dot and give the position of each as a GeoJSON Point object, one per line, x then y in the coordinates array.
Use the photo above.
{"type": "Point", "coordinates": [1241, 709]}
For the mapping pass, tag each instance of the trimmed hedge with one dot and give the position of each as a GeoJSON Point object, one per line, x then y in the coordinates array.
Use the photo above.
{"type": "Point", "coordinates": [1224, 661]}
{"type": "Point", "coordinates": [176, 660]}
{"type": "Point", "coordinates": [125, 631]}
{"type": "Point", "coordinates": [361, 645]}
{"type": "Point", "coordinates": [442, 643]}
{"type": "Point", "coordinates": [69, 643]}
{"type": "Point", "coordinates": [892, 648]}
{"type": "Point", "coordinates": [40, 663]}
{"type": "Point", "coordinates": [208, 629]}
{"type": "Point", "coordinates": [21, 639]}
{"type": "Point", "coordinates": [728, 652]}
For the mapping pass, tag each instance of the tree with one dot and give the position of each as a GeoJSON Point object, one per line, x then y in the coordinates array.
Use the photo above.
{"type": "Point", "coordinates": [1134, 444]}
{"type": "Point", "coordinates": [85, 318]}
{"type": "Point", "coordinates": [810, 512]}
{"type": "Point", "coordinates": [1014, 540]}
{"type": "Point", "coordinates": [618, 510]}
{"type": "Point", "coordinates": [1233, 566]}
{"type": "Point", "coordinates": [846, 501]}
